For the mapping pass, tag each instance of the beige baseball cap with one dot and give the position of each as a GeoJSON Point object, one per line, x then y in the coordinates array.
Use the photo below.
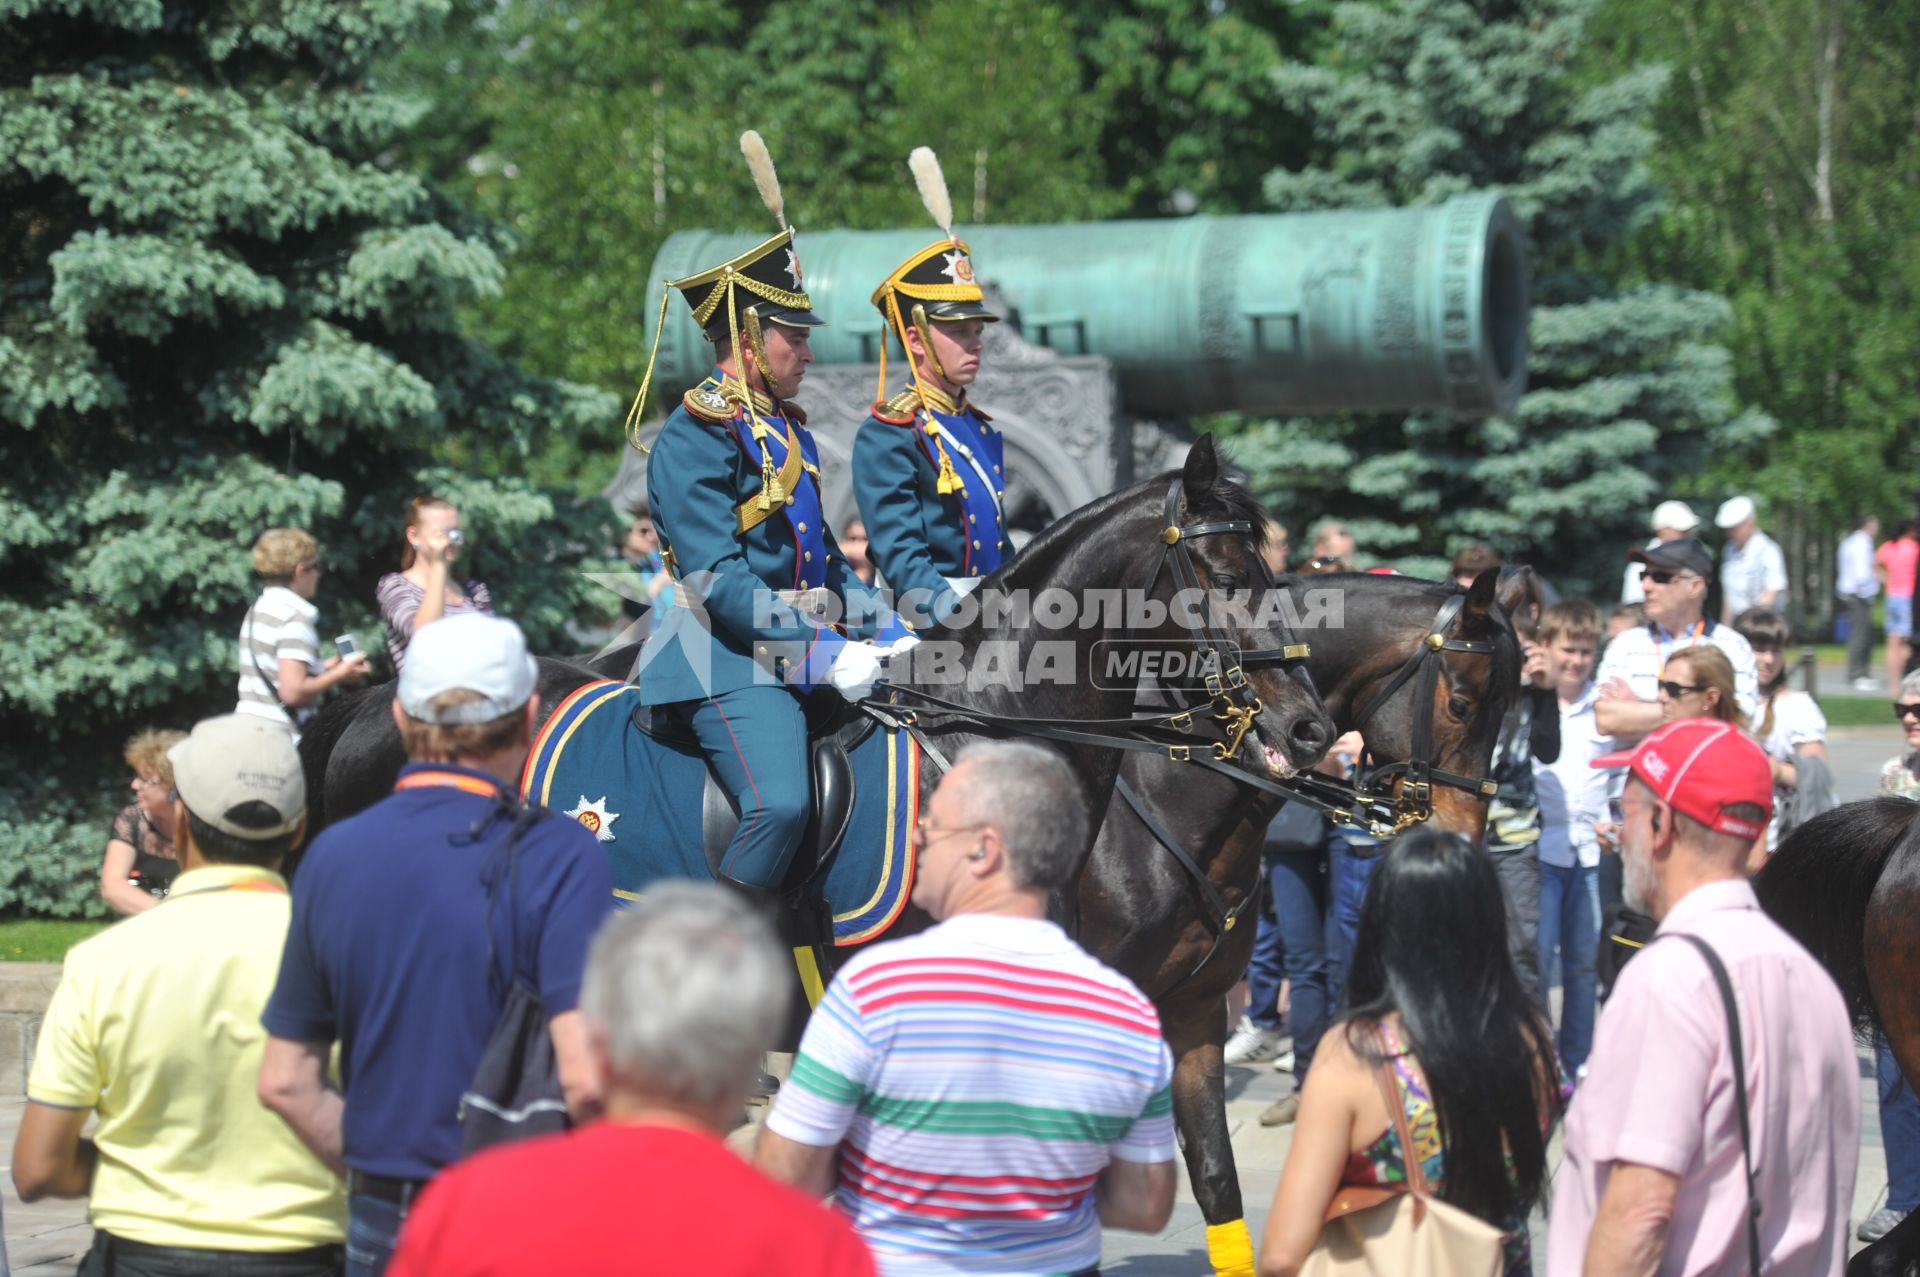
{"type": "Point", "coordinates": [236, 759]}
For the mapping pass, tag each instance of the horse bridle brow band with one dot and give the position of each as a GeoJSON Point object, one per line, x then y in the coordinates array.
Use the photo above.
{"type": "Point", "coordinates": [1414, 803]}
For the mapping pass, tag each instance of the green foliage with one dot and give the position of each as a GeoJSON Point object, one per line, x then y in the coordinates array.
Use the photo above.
{"type": "Point", "coordinates": [1421, 100]}
{"type": "Point", "coordinates": [225, 310]}
{"type": "Point", "coordinates": [1786, 140]}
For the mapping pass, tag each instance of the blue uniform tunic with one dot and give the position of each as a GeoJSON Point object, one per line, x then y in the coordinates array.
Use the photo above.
{"type": "Point", "coordinates": [918, 536]}
{"type": "Point", "coordinates": [732, 659]}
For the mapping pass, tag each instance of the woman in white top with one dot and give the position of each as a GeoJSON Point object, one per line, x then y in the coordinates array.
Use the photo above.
{"type": "Point", "coordinates": [1789, 726]}
{"type": "Point", "coordinates": [281, 671]}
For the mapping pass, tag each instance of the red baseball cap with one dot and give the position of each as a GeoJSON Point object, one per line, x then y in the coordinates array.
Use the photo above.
{"type": "Point", "coordinates": [1700, 767]}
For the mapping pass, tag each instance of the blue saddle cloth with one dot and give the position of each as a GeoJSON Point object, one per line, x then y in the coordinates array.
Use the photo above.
{"type": "Point", "coordinates": [642, 799]}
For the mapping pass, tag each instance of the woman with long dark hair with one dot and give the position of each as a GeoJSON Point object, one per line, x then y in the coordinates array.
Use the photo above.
{"type": "Point", "coordinates": [1434, 1003]}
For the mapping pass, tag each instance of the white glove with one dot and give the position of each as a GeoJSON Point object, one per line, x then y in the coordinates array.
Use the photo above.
{"type": "Point", "coordinates": [902, 645]}
{"type": "Point", "coordinates": [855, 669]}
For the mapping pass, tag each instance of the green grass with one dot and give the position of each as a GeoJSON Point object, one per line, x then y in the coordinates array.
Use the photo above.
{"type": "Point", "coordinates": [43, 939]}
{"type": "Point", "coordinates": [1857, 711]}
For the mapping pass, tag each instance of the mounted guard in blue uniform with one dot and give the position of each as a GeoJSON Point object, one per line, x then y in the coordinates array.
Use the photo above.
{"type": "Point", "coordinates": [764, 607]}
{"type": "Point", "coordinates": [927, 464]}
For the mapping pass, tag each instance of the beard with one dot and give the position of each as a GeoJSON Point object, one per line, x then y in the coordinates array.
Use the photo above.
{"type": "Point", "coordinates": [1637, 886]}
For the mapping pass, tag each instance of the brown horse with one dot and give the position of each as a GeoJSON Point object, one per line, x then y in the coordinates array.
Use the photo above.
{"type": "Point", "coordinates": [1846, 884]}
{"type": "Point", "coordinates": [1146, 914]}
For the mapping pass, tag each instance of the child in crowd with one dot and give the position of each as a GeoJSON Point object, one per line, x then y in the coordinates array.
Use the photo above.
{"type": "Point", "coordinates": [1573, 798]}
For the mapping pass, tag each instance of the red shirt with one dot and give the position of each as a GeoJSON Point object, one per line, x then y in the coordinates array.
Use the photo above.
{"type": "Point", "coordinates": [620, 1201]}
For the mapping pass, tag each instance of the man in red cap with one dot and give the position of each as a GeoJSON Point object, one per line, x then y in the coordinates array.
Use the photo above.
{"type": "Point", "coordinates": [1655, 1177]}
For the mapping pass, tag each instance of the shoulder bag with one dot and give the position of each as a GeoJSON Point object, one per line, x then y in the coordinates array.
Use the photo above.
{"type": "Point", "coordinates": [1725, 984]}
{"type": "Point", "coordinates": [1404, 1231]}
{"type": "Point", "coordinates": [515, 1092]}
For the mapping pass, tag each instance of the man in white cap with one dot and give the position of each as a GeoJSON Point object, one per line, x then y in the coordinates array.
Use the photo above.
{"type": "Point", "coordinates": [1671, 521]}
{"type": "Point", "coordinates": [1753, 572]}
{"type": "Point", "coordinates": [397, 950]}
{"type": "Point", "coordinates": [156, 1029]}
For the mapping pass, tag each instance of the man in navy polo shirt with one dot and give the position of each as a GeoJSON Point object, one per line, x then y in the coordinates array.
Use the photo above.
{"type": "Point", "coordinates": [388, 951]}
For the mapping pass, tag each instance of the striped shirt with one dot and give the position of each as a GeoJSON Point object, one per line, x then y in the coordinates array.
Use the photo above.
{"type": "Point", "coordinates": [978, 1078]}
{"type": "Point", "coordinates": [279, 626]}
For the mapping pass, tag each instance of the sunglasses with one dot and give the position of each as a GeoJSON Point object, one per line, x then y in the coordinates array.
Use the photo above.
{"type": "Point", "coordinates": [1677, 690]}
{"type": "Point", "coordinates": [1661, 576]}
{"type": "Point", "coordinates": [1904, 709]}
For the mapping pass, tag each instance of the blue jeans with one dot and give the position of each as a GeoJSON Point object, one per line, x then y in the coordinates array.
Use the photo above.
{"type": "Point", "coordinates": [1570, 926]}
{"type": "Point", "coordinates": [373, 1230]}
{"type": "Point", "coordinates": [1348, 873]}
{"type": "Point", "coordinates": [1899, 1129]}
{"type": "Point", "coordinates": [1265, 970]}
{"type": "Point", "coordinates": [1299, 881]}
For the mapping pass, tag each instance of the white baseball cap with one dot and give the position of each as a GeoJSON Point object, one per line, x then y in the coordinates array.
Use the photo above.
{"type": "Point", "coordinates": [471, 652]}
{"type": "Point", "coordinates": [1733, 512]}
{"type": "Point", "coordinates": [1677, 515]}
{"type": "Point", "coordinates": [235, 759]}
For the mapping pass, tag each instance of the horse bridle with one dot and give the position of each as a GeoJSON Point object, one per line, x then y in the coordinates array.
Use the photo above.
{"type": "Point", "coordinates": [1414, 801]}
{"type": "Point", "coordinates": [1231, 694]}
{"type": "Point", "coordinates": [1231, 699]}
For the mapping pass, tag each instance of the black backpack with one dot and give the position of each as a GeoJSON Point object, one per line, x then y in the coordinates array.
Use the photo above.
{"type": "Point", "coordinates": [515, 1092]}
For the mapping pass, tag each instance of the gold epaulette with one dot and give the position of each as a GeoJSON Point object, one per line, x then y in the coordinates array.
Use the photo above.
{"type": "Point", "coordinates": [722, 400]}
{"type": "Point", "coordinates": [706, 402]}
{"type": "Point", "coordinates": [899, 410]}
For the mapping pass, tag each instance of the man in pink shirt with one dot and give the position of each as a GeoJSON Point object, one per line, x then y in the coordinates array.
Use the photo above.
{"type": "Point", "coordinates": [1654, 1179]}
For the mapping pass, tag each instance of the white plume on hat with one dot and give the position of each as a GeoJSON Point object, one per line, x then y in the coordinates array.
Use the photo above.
{"type": "Point", "coordinates": [760, 164]}
{"type": "Point", "coordinates": [933, 187]}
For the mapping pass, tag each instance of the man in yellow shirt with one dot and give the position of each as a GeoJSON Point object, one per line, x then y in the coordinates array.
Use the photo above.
{"type": "Point", "coordinates": [156, 1028]}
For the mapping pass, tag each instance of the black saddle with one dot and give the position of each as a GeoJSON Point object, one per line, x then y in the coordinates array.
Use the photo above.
{"type": "Point", "coordinates": [830, 737]}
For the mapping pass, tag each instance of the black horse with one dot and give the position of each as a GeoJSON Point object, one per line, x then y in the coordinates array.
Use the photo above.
{"type": "Point", "coordinates": [1153, 539]}
{"type": "Point", "coordinates": [1846, 884]}
{"type": "Point", "coordinates": [1145, 913]}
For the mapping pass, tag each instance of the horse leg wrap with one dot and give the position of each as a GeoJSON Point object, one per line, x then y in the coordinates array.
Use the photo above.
{"type": "Point", "coordinates": [1230, 1249]}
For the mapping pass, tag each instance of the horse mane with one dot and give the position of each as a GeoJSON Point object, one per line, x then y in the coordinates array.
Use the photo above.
{"type": "Point", "coordinates": [1819, 881]}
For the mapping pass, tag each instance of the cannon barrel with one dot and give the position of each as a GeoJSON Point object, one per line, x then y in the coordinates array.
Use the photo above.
{"type": "Point", "coordinates": [1388, 310]}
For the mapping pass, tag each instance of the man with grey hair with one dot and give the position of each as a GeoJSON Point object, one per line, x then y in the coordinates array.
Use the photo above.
{"type": "Point", "coordinates": [682, 994]}
{"type": "Point", "coordinates": [982, 1097]}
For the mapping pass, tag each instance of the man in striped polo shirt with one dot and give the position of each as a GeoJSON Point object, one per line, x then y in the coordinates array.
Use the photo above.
{"type": "Point", "coordinates": [982, 1097]}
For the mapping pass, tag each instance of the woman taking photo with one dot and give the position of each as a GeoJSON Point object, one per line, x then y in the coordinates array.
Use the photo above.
{"type": "Point", "coordinates": [1436, 1004]}
{"type": "Point", "coordinates": [423, 590]}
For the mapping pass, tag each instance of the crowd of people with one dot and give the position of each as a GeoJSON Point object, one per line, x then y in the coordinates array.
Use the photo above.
{"type": "Point", "coordinates": [1693, 646]}
{"type": "Point", "coordinates": [985, 1096]}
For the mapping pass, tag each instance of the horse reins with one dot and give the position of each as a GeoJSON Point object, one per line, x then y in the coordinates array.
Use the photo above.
{"type": "Point", "coordinates": [1414, 801]}
{"type": "Point", "coordinates": [1230, 694]}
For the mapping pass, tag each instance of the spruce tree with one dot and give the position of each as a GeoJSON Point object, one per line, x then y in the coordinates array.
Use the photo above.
{"type": "Point", "coordinates": [1423, 99]}
{"type": "Point", "coordinates": [224, 311]}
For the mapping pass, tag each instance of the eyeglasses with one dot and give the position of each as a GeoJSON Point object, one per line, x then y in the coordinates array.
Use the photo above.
{"type": "Point", "coordinates": [1906, 709]}
{"type": "Point", "coordinates": [1677, 690]}
{"type": "Point", "coordinates": [1616, 811]}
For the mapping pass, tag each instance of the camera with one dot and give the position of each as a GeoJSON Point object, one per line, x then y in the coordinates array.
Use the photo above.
{"type": "Point", "coordinates": [346, 647]}
{"type": "Point", "coordinates": [456, 537]}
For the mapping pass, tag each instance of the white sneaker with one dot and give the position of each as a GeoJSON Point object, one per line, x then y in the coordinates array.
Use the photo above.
{"type": "Point", "coordinates": [1865, 685]}
{"type": "Point", "coordinates": [1283, 1062]}
{"type": "Point", "coordinates": [1251, 1044]}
